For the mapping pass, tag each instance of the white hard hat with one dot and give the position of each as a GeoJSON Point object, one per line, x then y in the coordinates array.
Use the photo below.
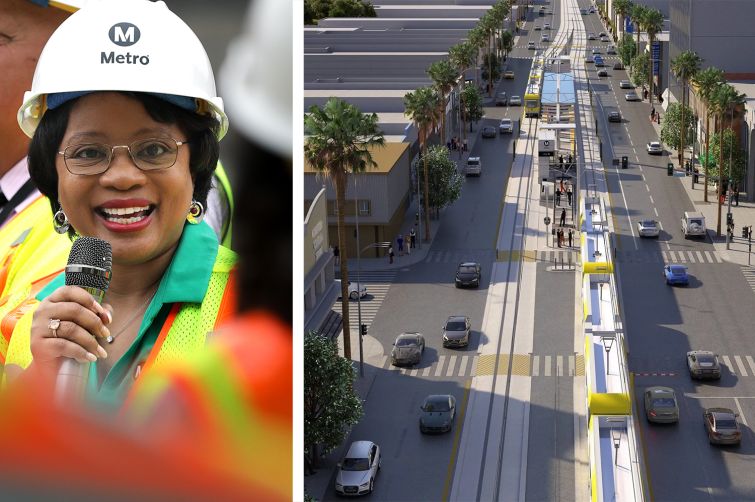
{"type": "Point", "coordinates": [123, 45]}
{"type": "Point", "coordinates": [256, 77]}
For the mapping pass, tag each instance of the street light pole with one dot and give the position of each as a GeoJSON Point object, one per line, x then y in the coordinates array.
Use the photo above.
{"type": "Point", "coordinates": [359, 284]}
{"type": "Point", "coordinates": [729, 190]}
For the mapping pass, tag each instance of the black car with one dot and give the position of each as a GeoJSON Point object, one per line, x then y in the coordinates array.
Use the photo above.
{"type": "Point", "coordinates": [614, 117]}
{"type": "Point", "coordinates": [618, 65]}
{"type": "Point", "coordinates": [603, 73]}
{"type": "Point", "coordinates": [468, 274]}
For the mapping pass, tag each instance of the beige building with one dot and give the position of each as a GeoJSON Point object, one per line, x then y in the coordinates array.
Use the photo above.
{"type": "Point", "coordinates": [320, 290]}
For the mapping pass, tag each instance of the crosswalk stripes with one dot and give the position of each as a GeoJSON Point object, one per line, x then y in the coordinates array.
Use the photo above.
{"type": "Point", "coordinates": [534, 365]}
{"type": "Point", "coordinates": [749, 273]}
{"type": "Point", "coordinates": [378, 283]}
{"type": "Point", "coordinates": [459, 256]}
{"type": "Point", "coordinates": [669, 256]}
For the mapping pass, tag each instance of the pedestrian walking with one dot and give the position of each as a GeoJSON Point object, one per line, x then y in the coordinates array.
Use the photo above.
{"type": "Point", "coordinates": [652, 112]}
{"type": "Point", "coordinates": [408, 245]}
{"type": "Point", "coordinates": [696, 176]}
{"type": "Point", "coordinates": [563, 187]}
{"type": "Point", "coordinates": [400, 242]}
{"type": "Point", "coordinates": [571, 237]}
{"type": "Point", "coordinates": [568, 194]}
{"type": "Point", "coordinates": [561, 159]}
{"type": "Point", "coordinates": [448, 145]}
{"type": "Point", "coordinates": [736, 196]}
{"type": "Point", "coordinates": [413, 237]}
{"type": "Point", "coordinates": [337, 255]}
{"type": "Point", "coordinates": [658, 118]}
{"type": "Point", "coordinates": [558, 237]}
{"type": "Point", "coordinates": [390, 254]}
{"type": "Point", "coordinates": [570, 159]}
{"type": "Point", "coordinates": [464, 146]}
{"type": "Point", "coordinates": [558, 196]}
{"type": "Point", "coordinates": [563, 217]}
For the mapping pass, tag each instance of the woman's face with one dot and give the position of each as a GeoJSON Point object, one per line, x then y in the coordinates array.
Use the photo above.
{"type": "Point", "coordinates": [140, 213]}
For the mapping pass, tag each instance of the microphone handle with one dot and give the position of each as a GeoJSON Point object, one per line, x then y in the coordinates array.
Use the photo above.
{"type": "Point", "coordinates": [71, 383]}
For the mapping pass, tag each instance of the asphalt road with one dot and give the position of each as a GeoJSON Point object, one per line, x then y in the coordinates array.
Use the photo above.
{"type": "Point", "coordinates": [663, 323]}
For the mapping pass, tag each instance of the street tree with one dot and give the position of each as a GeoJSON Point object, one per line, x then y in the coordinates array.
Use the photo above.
{"type": "Point", "coordinates": [462, 56]}
{"type": "Point", "coordinates": [653, 26]}
{"type": "Point", "coordinates": [706, 82]}
{"type": "Point", "coordinates": [733, 155]}
{"type": "Point", "coordinates": [471, 102]}
{"type": "Point", "coordinates": [488, 25]}
{"type": "Point", "coordinates": [640, 69]}
{"type": "Point", "coordinates": [684, 67]}
{"type": "Point", "coordinates": [476, 37]}
{"type": "Point", "coordinates": [331, 405]}
{"type": "Point", "coordinates": [445, 180]}
{"type": "Point", "coordinates": [506, 43]}
{"type": "Point", "coordinates": [499, 11]}
{"type": "Point", "coordinates": [638, 19]}
{"type": "Point", "coordinates": [444, 77]}
{"type": "Point", "coordinates": [491, 63]}
{"type": "Point", "coordinates": [338, 144]}
{"type": "Point", "coordinates": [673, 126]}
{"type": "Point", "coordinates": [314, 10]}
{"type": "Point", "coordinates": [626, 49]}
{"type": "Point", "coordinates": [422, 106]}
{"type": "Point", "coordinates": [622, 8]}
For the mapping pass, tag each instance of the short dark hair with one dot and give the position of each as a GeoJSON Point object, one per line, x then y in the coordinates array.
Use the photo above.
{"type": "Point", "coordinates": [200, 131]}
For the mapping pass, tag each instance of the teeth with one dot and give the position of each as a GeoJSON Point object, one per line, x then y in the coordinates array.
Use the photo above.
{"type": "Point", "coordinates": [125, 221]}
{"type": "Point", "coordinates": [112, 211]}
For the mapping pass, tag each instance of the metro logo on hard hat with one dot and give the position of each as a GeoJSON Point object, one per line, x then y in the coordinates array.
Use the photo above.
{"type": "Point", "coordinates": [124, 34]}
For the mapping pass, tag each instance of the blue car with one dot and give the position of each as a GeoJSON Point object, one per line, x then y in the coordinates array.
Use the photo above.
{"type": "Point", "coordinates": [676, 274]}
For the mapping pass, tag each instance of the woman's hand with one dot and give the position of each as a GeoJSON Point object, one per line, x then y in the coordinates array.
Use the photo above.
{"type": "Point", "coordinates": [81, 321]}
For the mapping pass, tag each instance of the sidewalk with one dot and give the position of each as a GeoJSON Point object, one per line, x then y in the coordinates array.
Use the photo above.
{"type": "Point", "coordinates": [744, 213]}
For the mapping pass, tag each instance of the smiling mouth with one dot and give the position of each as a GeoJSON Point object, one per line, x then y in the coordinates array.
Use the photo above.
{"type": "Point", "coordinates": [125, 215]}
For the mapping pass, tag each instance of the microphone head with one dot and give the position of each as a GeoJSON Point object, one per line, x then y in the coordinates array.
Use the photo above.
{"type": "Point", "coordinates": [90, 263]}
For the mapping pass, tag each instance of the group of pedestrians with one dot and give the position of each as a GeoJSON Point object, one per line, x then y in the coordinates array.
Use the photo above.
{"type": "Point", "coordinates": [454, 144]}
{"type": "Point", "coordinates": [404, 243]}
{"type": "Point", "coordinates": [655, 116]}
{"type": "Point", "coordinates": [564, 189]}
{"type": "Point", "coordinates": [562, 236]}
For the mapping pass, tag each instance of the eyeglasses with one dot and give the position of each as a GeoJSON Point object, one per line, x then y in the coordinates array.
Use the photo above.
{"type": "Point", "coordinates": [150, 154]}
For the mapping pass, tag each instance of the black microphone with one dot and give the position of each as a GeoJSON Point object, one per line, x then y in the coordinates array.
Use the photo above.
{"type": "Point", "coordinates": [90, 265]}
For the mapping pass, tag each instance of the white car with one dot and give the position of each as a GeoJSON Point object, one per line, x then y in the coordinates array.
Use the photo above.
{"type": "Point", "coordinates": [474, 167]}
{"type": "Point", "coordinates": [632, 96]}
{"type": "Point", "coordinates": [506, 125]}
{"type": "Point", "coordinates": [626, 84]}
{"type": "Point", "coordinates": [648, 228]}
{"type": "Point", "coordinates": [358, 469]}
{"type": "Point", "coordinates": [545, 38]}
{"type": "Point", "coordinates": [654, 148]}
{"type": "Point", "coordinates": [611, 49]}
{"type": "Point", "coordinates": [537, 27]}
{"type": "Point", "coordinates": [354, 292]}
{"type": "Point", "coordinates": [530, 45]}
{"type": "Point", "coordinates": [515, 101]}
{"type": "Point", "coordinates": [547, 26]}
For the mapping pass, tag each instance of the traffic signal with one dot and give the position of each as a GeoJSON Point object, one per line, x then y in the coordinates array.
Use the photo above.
{"type": "Point", "coordinates": [670, 169]}
{"type": "Point", "coordinates": [363, 329]}
{"type": "Point", "coordinates": [730, 219]}
{"type": "Point", "coordinates": [624, 162]}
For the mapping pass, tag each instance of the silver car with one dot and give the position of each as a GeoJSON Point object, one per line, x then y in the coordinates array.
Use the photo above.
{"type": "Point", "coordinates": [703, 364]}
{"type": "Point", "coordinates": [438, 412]}
{"type": "Point", "coordinates": [722, 426]}
{"type": "Point", "coordinates": [456, 331]}
{"type": "Point", "coordinates": [632, 96]}
{"type": "Point", "coordinates": [626, 84]}
{"type": "Point", "coordinates": [506, 125]}
{"type": "Point", "coordinates": [515, 101]}
{"type": "Point", "coordinates": [358, 469]}
{"type": "Point", "coordinates": [654, 147]}
{"type": "Point", "coordinates": [648, 228]}
{"type": "Point", "coordinates": [408, 349]}
{"type": "Point", "coordinates": [661, 405]}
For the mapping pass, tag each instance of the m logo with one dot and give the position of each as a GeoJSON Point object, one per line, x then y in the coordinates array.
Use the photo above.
{"type": "Point", "coordinates": [124, 34]}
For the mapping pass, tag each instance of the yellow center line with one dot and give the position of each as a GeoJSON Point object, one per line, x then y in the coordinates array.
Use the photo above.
{"type": "Point", "coordinates": [455, 447]}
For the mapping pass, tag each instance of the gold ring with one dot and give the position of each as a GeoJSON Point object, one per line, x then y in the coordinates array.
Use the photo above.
{"type": "Point", "coordinates": [54, 324]}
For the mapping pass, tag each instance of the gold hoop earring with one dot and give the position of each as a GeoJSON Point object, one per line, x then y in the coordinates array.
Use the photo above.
{"type": "Point", "coordinates": [196, 212]}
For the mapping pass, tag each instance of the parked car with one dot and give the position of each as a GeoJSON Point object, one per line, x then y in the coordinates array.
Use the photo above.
{"type": "Point", "coordinates": [661, 405]}
{"type": "Point", "coordinates": [358, 469]}
{"type": "Point", "coordinates": [654, 148]}
{"type": "Point", "coordinates": [648, 228]}
{"type": "Point", "coordinates": [354, 292]}
{"type": "Point", "coordinates": [626, 84]}
{"type": "Point", "coordinates": [408, 349]}
{"type": "Point", "coordinates": [500, 99]}
{"type": "Point", "coordinates": [722, 426]}
{"type": "Point", "coordinates": [618, 65]}
{"type": "Point", "coordinates": [614, 116]}
{"type": "Point", "coordinates": [474, 166]}
{"type": "Point", "coordinates": [676, 274]}
{"type": "Point", "coordinates": [631, 96]}
{"type": "Point", "coordinates": [506, 125]}
{"type": "Point", "coordinates": [468, 274]}
{"type": "Point", "coordinates": [515, 101]}
{"type": "Point", "coordinates": [703, 364]}
{"type": "Point", "coordinates": [456, 331]}
{"type": "Point", "coordinates": [508, 74]}
{"type": "Point", "coordinates": [488, 132]}
{"type": "Point", "coordinates": [438, 413]}
{"type": "Point", "coordinates": [603, 73]}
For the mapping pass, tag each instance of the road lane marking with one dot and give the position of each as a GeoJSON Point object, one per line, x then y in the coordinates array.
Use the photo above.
{"type": "Point", "coordinates": [451, 366]}
{"type": "Point", "coordinates": [547, 368]}
{"type": "Point", "coordinates": [414, 372]}
{"type": "Point", "coordinates": [559, 366]}
{"type": "Point", "coordinates": [457, 436]}
{"type": "Point", "coordinates": [741, 413]}
{"type": "Point", "coordinates": [463, 366]}
{"type": "Point", "coordinates": [382, 361]}
{"type": "Point", "coordinates": [700, 256]}
{"type": "Point", "coordinates": [647, 187]}
{"type": "Point", "coordinates": [740, 365]}
{"type": "Point", "coordinates": [692, 257]}
{"type": "Point", "coordinates": [651, 200]}
{"type": "Point", "coordinates": [728, 364]}
{"type": "Point", "coordinates": [439, 367]}
{"type": "Point", "coordinates": [535, 366]}
{"type": "Point", "coordinates": [571, 365]}
{"type": "Point", "coordinates": [655, 210]}
{"type": "Point", "coordinates": [751, 363]}
{"type": "Point", "coordinates": [473, 369]}
{"type": "Point", "coordinates": [427, 371]}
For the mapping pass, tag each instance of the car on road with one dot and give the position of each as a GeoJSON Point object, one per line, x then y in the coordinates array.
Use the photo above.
{"type": "Point", "coordinates": [693, 224]}
{"type": "Point", "coordinates": [614, 116]}
{"type": "Point", "coordinates": [703, 364]}
{"type": "Point", "coordinates": [591, 36]}
{"type": "Point", "coordinates": [468, 274]}
{"type": "Point", "coordinates": [500, 99]}
{"type": "Point", "coordinates": [515, 101]}
{"type": "Point", "coordinates": [545, 38]}
{"type": "Point", "coordinates": [599, 61]}
{"type": "Point", "coordinates": [625, 84]}
{"type": "Point", "coordinates": [408, 349]}
{"type": "Point", "coordinates": [595, 51]}
{"type": "Point", "coordinates": [506, 125]}
{"type": "Point", "coordinates": [583, 12]}
{"type": "Point", "coordinates": [508, 74]}
{"type": "Point", "coordinates": [618, 65]}
{"type": "Point", "coordinates": [438, 412]}
{"type": "Point", "coordinates": [547, 26]}
{"type": "Point", "coordinates": [661, 405]}
{"type": "Point", "coordinates": [676, 274]}
{"type": "Point", "coordinates": [488, 132]}
{"type": "Point", "coordinates": [605, 39]}
{"type": "Point", "coordinates": [355, 292]}
{"type": "Point", "coordinates": [358, 469]}
{"type": "Point", "coordinates": [602, 34]}
{"type": "Point", "coordinates": [722, 426]}
{"type": "Point", "coordinates": [474, 167]}
{"type": "Point", "coordinates": [602, 73]}
{"type": "Point", "coordinates": [631, 96]}
{"type": "Point", "coordinates": [589, 59]}
{"type": "Point", "coordinates": [648, 228]}
{"type": "Point", "coordinates": [610, 49]}
{"type": "Point", "coordinates": [537, 27]}
{"type": "Point", "coordinates": [654, 148]}
{"type": "Point", "coordinates": [456, 331]}
{"type": "Point", "coordinates": [591, 10]}
{"type": "Point", "coordinates": [530, 45]}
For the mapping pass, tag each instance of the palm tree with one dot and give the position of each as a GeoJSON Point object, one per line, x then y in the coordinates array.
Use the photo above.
{"type": "Point", "coordinates": [477, 40]}
{"type": "Point", "coordinates": [653, 26]}
{"type": "Point", "coordinates": [444, 76]}
{"type": "Point", "coordinates": [707, 81]}
{"type": "Point", "coordinates": [462, 56]}
{"type": "Point", "coordinates": [638, 18]}
{"type": "Point", "coordinates": [506, 42]}
{"type": "Point", "coordinates": [726, 100]}
{"type": "Point", "coordinates": [339, 142]}
{"type": "Point", "coordinates": [622, 8]}
{"type": "Point", "coordinates": [488, 26]}
{"type": "Point", "coordinates": [422, 106]}
{"type": "Point", "coordinates": [685, 66]}
{"type": "Point", "coordinates": [499, 12]}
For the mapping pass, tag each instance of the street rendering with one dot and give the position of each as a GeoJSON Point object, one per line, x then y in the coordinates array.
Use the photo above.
{"type": "Point", "coordinates": [558, 298]}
